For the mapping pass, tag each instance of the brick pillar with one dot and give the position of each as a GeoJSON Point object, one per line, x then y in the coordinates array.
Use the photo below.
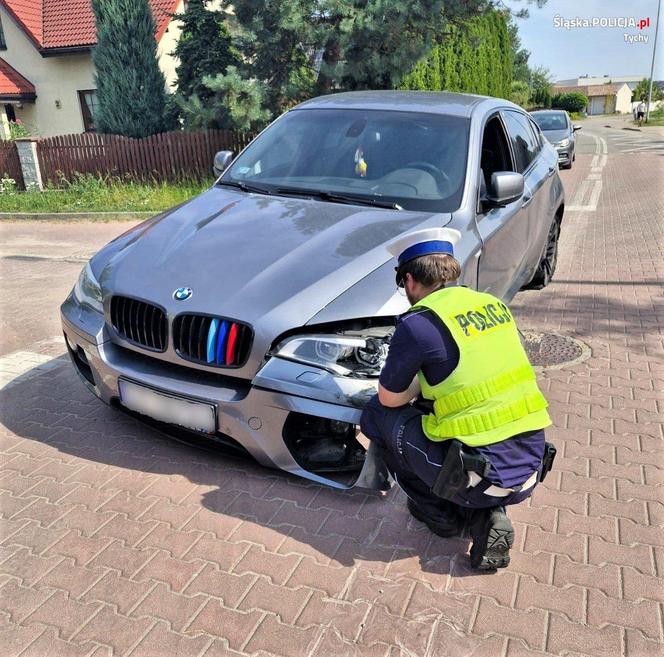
{"type": "Point", "coordinates": [27, 155]}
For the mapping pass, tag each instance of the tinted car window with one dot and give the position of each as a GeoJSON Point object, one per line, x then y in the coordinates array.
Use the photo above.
{"type": "Point", "coordinates": [526, 145]}
{"type": "Point", "coordinates": [554, 121]}
{"type": "Point", "coordinates": [539, 136]}
{"type": "Point", "coordinates": [414, 159]}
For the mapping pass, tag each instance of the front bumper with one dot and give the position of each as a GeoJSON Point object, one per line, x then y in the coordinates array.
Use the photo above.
{"type": "Point", "coordinates": [564, 154]}
{"type": "Point", "coordinates": [252, 413]}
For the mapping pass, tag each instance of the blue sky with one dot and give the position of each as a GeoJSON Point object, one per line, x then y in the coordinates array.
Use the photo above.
{"type": "Point", "coordinates": [592, 50]}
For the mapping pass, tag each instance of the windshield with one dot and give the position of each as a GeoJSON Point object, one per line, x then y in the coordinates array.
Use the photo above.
{"type": "Point", "coordinates": [415, 160]}
{"type": "Point", "coordinates": [557, 121]}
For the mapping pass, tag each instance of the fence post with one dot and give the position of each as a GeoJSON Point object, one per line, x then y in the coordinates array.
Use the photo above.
{"type": "Point", "coordinates": [27, 156]}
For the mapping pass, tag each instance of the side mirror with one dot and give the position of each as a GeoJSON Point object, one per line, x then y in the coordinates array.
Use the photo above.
{"type": "Point", "coordinates": [576, 127]}
{"type": "Point", "coordinates": [506, 187]}
{"type": "Point", "coordinates": [221, 161]}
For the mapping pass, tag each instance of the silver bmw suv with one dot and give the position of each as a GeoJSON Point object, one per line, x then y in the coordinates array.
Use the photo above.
{"type": "Point", "coordinates": [258, 315]}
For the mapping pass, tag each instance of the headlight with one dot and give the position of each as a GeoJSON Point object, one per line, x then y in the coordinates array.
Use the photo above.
{"type": "Point", "coordinates": [87, 289]}
{"type": "Point", "coordinates": [563, 143]}
{"type": "Point", "coordinates": [359, 354]}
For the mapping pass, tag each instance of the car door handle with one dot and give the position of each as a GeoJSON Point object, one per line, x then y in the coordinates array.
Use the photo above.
{"type": "Point", "coordinates": [526, 201]}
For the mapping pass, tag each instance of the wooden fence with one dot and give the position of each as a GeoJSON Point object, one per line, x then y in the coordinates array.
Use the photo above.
{"type": "Point", "coordinates": [10, 167]}
{"type": "Point", "coordinates": [170, 156]}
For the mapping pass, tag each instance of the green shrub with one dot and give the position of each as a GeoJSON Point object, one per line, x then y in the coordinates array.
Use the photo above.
{"type": "Point", "coordinates": [18, 129]}
{"type": "Point", "coordinates": [520, 93]}
{"type": "Point", "coordinates": [474, 57]}
{"type": "Point", "coordinates": [572, 102]}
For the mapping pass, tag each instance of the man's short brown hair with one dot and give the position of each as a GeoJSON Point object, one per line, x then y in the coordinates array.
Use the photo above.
{"type": "Point", "coordinates": [433, 269]}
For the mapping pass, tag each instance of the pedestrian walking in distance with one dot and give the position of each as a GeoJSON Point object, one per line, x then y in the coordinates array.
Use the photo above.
{"type": "Point", "coordinates": [458, 419]}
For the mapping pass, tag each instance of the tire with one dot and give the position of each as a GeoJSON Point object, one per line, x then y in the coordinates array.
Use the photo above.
{"type": "Point", "coordinates": [566, 166]}
{"type": "Point", "coordinates": [547, 264]}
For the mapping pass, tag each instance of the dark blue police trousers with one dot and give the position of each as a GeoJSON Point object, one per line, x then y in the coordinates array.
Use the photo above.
{"type": "Point", "coordinates": [414, 461]}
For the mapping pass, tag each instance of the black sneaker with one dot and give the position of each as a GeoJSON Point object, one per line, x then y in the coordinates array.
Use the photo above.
{"type": "Point", "coordinates": [445, 527]}
{"type": "Point", "coordinates": [493, 536]}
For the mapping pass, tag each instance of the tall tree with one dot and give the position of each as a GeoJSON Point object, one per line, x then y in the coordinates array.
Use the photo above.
{"type": "Point", "coordinates": [540, 87]}
{"type": "Point", "coordinates": [278, 41]}
{"type": "Point", "coordinates": [520, 55]}
{"type": "Point", "coordinates": [203, 49]}
{"type": "Point", "coordinates": [302, 47]}
{"type": "Point", "coordinates": [236, 103]}
{"type": "Point", "coordinates": [130, 86]}
{"type": "Point", "coordinates": [474, 56]}
{"type": "Point", "coordinates": [293, 49]}
{"type": "Point", "coordinates": [640, 92]}
{"type": "Point", "coordinates": [373, 44]}
{"type": "Point", "coordinates": [520, 93]}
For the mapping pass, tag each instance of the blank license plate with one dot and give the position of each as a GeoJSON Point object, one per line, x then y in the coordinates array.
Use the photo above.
{"type": "Point", "coordinates": [166, 408]}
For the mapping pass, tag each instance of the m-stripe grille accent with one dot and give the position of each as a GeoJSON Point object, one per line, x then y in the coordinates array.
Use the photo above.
{"type": "Point", "coordinates": [212, 341]}
{"type": "Point", "coordinates": [139, 322]}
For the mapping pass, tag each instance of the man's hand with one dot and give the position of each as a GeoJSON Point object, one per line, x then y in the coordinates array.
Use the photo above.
{"type": "Point", "coordinates": [395, 399]}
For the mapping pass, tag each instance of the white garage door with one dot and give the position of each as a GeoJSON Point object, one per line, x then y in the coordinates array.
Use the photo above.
{"type": "Point", "coordinates": [597, 105]}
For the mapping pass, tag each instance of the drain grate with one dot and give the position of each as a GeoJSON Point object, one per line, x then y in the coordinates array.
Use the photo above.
{"type": "Point", "coordinates": [553, 350]}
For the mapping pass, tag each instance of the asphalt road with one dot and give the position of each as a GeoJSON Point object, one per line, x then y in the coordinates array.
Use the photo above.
{"type": "Point", "coordinates": [622, 136]}
{"type": "Point", "coordinates": [39, 264]}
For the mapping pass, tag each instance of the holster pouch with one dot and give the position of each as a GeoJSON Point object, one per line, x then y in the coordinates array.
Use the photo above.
{"type": "Point", "coordinates": [453, 475]}
{"type": "Point", "coordinates": [548, 459]}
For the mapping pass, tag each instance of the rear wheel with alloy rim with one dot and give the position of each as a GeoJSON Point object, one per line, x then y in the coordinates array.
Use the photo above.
{"type": "Point", "coordinates": [547, 265]}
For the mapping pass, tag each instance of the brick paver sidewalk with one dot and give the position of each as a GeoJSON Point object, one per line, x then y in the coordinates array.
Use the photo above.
{"type": "Point", "coordinates": [116, 541]}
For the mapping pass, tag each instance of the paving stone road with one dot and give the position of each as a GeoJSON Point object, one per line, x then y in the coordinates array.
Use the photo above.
{"type": "Point", "coordinates": [117, 541]}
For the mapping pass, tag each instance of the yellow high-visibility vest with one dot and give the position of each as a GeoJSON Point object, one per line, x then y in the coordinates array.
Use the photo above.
{"type": "Point", "coordinates": [492, 394]}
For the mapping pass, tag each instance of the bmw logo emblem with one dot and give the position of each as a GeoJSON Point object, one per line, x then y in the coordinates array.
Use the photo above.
{"type": "Point", "coordinates": [182, 293]}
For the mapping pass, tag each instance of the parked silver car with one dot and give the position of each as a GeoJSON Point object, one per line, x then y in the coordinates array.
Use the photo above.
{"type": "Point", "coordinates": [557, 127]}
{"type": "Point", "coordinates": [259, 313]}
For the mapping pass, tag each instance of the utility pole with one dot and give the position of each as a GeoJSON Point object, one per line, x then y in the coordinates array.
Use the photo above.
{"type": "Point", "coordinates": [652, 66]}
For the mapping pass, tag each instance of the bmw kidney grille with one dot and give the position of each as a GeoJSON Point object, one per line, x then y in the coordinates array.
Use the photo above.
{"type": "Point", "coordinates": [211, 340]}
{"type": "Point", "coordinates": [139, 322]}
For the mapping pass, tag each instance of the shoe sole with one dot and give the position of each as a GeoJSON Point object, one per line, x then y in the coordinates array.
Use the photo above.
{"type": "Point", "coordinates": [499, 542]}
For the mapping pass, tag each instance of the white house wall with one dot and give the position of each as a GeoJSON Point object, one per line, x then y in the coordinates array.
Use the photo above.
{"type": "Point", "coordinates": [624, 99]}
{"type": "Point", "coordinates": [55, 79]}
{"type": "Point", "coordinates": [58, 79]}
{"type": "Point", "coordinates": [167, 62]}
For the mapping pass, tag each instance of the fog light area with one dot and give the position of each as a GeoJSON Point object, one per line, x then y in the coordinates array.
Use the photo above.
{"type": "Point", "coordinates": [324, 446]}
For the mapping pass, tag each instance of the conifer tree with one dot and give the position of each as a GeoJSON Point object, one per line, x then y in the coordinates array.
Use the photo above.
{"type": "Point", "coordinates": [474, 56]}
{"type": "Point", "coordinates": [301, 48]}
{"type": "Point", "coordinates": [203, 49]}
{"type": "Point", "coordinates": [130, 85]}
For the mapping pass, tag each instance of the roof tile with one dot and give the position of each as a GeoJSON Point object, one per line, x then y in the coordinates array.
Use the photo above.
{"type": "Point", "coordinates": [12, 83]}
{"type": "Point", "coordinates": [71, 23]}
{"type": "Point", "coordinates": [590, 89]}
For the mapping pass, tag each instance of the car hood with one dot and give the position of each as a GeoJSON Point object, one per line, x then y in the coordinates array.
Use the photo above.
{"type": "Point", "coordinates": [273, 262]}
{"type": "Point", "coordinates": [554, 136]}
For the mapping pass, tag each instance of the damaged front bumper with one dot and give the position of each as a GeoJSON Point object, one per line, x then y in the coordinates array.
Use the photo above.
{"type": "Point", "coordinates": [277, 418]}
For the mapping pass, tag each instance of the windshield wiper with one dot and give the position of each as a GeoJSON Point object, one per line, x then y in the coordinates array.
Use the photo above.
{"type": "Point", "coordinates": [249, 188]}
{"type": "Point", "coordinates": [334, 197]}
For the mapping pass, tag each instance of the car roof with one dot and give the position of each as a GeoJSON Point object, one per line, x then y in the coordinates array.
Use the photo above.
{"type": "Point", "coordinates": [430, 102]}
{"type": "Point", "coordinates": [550, 111]}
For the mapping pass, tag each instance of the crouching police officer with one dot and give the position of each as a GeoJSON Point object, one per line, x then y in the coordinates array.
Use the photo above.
{"type": "Point", "coordinates": [473, 441]}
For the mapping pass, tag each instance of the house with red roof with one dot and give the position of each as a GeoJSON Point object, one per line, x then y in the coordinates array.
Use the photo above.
{"type": "Point", "coordinates": [47, 78]}
{"type": "Point", "coordinates": [605, 98]}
